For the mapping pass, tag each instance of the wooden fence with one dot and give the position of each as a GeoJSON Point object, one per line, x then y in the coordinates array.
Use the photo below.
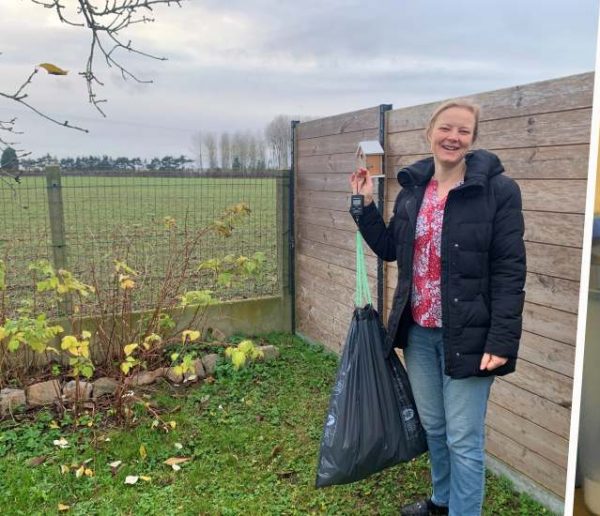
{"type": "Point", "coordinates": [541, 133]}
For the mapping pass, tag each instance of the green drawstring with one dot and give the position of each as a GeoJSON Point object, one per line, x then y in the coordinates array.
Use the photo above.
{"type": "Point", "coordinates": [362, 295]}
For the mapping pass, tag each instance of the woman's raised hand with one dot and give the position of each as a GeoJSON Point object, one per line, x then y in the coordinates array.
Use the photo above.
{"type": "Point", "coordinates": [362, 184]}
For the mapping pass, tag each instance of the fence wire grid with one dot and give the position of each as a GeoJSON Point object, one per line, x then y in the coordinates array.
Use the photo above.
{"type": "Point", "coordinates": [120, 217]}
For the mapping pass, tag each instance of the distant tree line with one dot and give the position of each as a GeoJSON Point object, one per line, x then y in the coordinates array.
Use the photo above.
{"type": "Point", "coordinates": [237, 152]}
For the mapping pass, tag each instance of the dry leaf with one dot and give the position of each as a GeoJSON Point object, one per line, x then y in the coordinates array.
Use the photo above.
{"type": "Point", "coordinates": [173, 424]}
{"type": "Point", "coordinates": [62, 507]}
{"type": "Point", "coordinates": [79, 472]}
{"type": "Point", "coordinates": [61, 443]}
{"type": "Point", "coordinates": [145, 479]}
{"type": "Point", "coordinates": [64, 469]}
{"type": "Point", "coordinates": [88, 472]}
{"type": "Point", "coordinates": [53, 69]}
{"type": "Point", "coordinates": [131, 479]}
{"type": "Point", "coordinates": [53, 425]}
{"type": "Point", "coordinates": [116, 463]}
{"type": "Point", "coordinates": [176, 460]}
{"type": "Point", "coordinates": [175, 467]}
{"type": "Point", "coordinates": [36, 461]}
{"type": "Point", "coordinates": [179, 446]}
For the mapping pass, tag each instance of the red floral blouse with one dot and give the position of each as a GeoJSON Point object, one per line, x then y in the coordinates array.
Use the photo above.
{"type": "Point", "coordinates": [426, 300]}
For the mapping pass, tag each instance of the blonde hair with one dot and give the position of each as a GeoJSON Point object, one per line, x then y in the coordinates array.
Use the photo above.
{"type": "Point", "coordinates": [459, 103]}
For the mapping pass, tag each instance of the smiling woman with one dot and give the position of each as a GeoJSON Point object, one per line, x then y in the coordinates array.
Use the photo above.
{"type": "Point", "coordinates": [457, 234]}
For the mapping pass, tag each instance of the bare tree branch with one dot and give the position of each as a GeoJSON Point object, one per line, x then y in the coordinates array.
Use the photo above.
{"type": "Point", "coordinates": [105, 25]}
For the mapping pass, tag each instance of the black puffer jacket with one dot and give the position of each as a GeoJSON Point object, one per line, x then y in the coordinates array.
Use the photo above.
{"type": "Point", "coordinates": [483, 262]}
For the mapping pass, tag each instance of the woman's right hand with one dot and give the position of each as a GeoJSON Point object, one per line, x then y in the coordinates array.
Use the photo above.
{"type": "Point", "coordinates": [362, 183]}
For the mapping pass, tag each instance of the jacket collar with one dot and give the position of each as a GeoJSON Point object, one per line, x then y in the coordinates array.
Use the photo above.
{"type": "Point", "coordinates": [481, 165]}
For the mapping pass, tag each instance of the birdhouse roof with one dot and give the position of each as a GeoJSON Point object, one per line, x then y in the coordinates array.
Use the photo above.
{"type": "Point", "coordinates": [370, 147]}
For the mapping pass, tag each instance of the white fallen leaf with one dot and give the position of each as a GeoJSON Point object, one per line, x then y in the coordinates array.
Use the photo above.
{"type": "Point", "coordinates": [131, 479]}
{"type": "Point", "coordinates": [79, 472]}
{"type": "Point", "coordinates": [61, 443]}
{"type": "Point", "coordinates": [87, 461]}
{"type": "Point", "coordinates": [175, 467]}
{"type": "Point", "coordinates": [179, 446]}
{"type": "Point", "coordinates": [116, 463]}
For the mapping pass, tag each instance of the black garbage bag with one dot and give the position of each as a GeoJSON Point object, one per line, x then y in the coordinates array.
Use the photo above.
{"type": "Point", "coordinates": [372, 422]}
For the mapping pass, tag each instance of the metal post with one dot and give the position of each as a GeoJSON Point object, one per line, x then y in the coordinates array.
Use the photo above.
{"type": "Point", "coordinates": [292, 240]}
{"type": "Point", "coordinates": [381, 206]}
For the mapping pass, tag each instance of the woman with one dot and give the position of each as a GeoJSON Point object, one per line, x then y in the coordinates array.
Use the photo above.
{"type": "Point", "coordinates": [457, 234]}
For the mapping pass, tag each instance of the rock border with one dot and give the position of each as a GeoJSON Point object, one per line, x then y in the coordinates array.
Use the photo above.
{"type": "Point", "coordinates": [46, 393]}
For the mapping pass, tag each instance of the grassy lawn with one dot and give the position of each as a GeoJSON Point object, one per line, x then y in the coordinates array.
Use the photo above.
{"type": "Point", "coordinates": [121, 217]}
{"type": "Point", "coordinates": [252, 437]}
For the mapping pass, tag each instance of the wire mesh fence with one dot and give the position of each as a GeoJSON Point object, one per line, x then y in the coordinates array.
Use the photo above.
{"type": "Point", "coordinates": [147, 222]}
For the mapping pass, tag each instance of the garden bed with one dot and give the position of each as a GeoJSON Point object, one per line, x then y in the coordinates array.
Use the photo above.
{"type": "Point", "coordinates": [250, 437]}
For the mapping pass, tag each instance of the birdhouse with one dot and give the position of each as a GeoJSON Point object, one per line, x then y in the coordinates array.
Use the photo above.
{"type": "Point", "coordinates": [369, 155]}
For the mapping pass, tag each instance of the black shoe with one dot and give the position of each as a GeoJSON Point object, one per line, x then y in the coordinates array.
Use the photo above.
{"type": "Point", "coordinates": [423, 508]}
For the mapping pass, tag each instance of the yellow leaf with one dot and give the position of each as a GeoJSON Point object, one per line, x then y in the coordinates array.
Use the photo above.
{"type": "Point", "coordinates": [53, 425]}
{"type": "Point", "coordinates": [145, 479]}
{"type": "Point", "coordinates": [190, 334]}
{"type": "Point", "coordinates": [143, 452]}
{"type": "Point", "coordinates": [85, 334]}
{"type": "Point", "coordinates": [79, 471]}
{"type": "Point", "coordinates": [173, 424]}
{"type": "Point", "coordinates": [53, 69]}
{"type": "Point", "coordinates": [2, 332]}
{"type": "Point", "coordinates": [129, 348]}
{"type": "Point", "coordinates": [64, 469]}
{"type": "Point", "coordinates": [62, 507]}
{"type": "Point", "coordinates": [68, 342]}
{"type": "Point", "coordinates": [88, 472]}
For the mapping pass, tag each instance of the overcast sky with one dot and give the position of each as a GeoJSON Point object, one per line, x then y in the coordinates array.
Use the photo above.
{"type": "Point", "coordinates": [235, 64]}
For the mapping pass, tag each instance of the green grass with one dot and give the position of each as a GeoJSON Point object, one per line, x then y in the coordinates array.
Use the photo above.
{"type": "Point", "coordinates": [121, 217]}
{"type": "Point", "coordinates": [253, 437]}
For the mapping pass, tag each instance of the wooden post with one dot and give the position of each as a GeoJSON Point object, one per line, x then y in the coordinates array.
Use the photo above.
{"type": "Point", "coordinates": [56, 216]}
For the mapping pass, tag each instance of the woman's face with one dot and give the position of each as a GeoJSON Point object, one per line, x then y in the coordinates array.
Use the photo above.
{"type": "Point", "coordinates": [451, 136]}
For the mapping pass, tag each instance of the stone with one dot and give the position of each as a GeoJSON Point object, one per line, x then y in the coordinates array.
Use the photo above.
{"type": "Point", "coordinates": [104, 386]}
{"type": "Point", "coordinates": [197, 372]}
{"type": "Point", "coordinates": [199, 369]}
{"type": "Point", "coordinates": [43, 393]}
{"type": "Point", "coordinates": [70, 390]}
{"type": "Point", "coordinates": [269, 352]}
{"type": "Point", "coordinates": [146, 377]}
{"type": "Point", "coordinates": [10, 399]}
{"type": "Point", "coordinates": [210, 363]}
{"type": "Point", "coordinates": [174, 377]}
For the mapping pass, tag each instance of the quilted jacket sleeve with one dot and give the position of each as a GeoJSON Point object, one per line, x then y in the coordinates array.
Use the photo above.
{"type": "Point", "coordinates": [378, 237]}
{"type": "Point", "coordinates": [507, 272]}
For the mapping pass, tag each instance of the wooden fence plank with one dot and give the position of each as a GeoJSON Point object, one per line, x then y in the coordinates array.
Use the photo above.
{"type": "Point", "coordinates": [534, 408]}
{"type": "Point", "coordinates": [537, 468]}
{"type": "Point", "coordinates": [552, 292]}
{"type": "Point", "coordinates": [554, 387]}
{"type": "Point", "coordinates": [336, 238]}
{"type": "Point", "coordinates": [335, 144]}
{"type": "Point", "coordinates": [554, 260]}
{"type": "Point", "coordinates": [551, 195]}
{"type": "Point", "coordinates": [554, 228]}
{"type": "Point", "coordinates": [528, 434]}
{"type": "Point", "coordinates": [561, 162]}
{"type": "Point", "coordinates": [546, 129]}
{"type": "Point", "coordinates": [333, 219]}
{"type": "Point", "coordinates": [333, 255]}
{"type": "Point", "coordinates": [344, 123]}
{"type": "Point", "coordinates": [571, 92]}
{"type": "Point", "coordinates": [549, 322]}
{"type": "Point", "coordinates": [547, 353]}
{"type": "Point", "coordinates": [342, 164]}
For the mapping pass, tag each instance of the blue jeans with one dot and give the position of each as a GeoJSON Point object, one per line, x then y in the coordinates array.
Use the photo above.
{"type": "Point", "coordinates": [452, 413]}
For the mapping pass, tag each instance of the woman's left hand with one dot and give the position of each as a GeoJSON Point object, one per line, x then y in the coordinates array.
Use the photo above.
{"type": "Point", "coordinates": [490, 362]}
